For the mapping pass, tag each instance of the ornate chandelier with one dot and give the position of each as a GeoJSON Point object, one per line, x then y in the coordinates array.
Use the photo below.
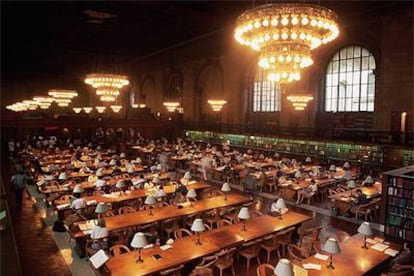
{"type": "Point", "coordinates": [107, 85]}
{"type": "Point", "coordinates": [171, 106]}
{"type": "Point", "coordinates": [217, 105]}
{"type": "Point", "coordinates": [62, 93]}
{"type": "Point", "coordinates": [299, 101]}
{"type": "Point", "coordinates": [284, 35]}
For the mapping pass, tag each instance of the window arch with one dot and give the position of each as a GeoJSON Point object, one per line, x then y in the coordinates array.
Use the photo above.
{"type": "Point", "coordinates": [350, 81]}
{"type": "Point", "coordinates": [266, 94]}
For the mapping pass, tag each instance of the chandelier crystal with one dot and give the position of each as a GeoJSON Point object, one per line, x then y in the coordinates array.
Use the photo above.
{"type": "Point", "coordinates": [107, 86]}
{"type": "Point", "coordinates": [299, 101]}
{"type": "Point", "coordinates": [217, 105]}
{"type": "Point", "coordinates": [284, 35]}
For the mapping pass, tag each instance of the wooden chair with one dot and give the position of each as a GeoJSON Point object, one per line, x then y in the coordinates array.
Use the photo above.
{"type": "Point", "coordinates": [250, 251]}
{"type": "Point", "coordinates": [118, 249]}
{"type": "Point", "coordinates": [225, 260]}
{"type": "Point", "coordinates": [231, 214]}
{"type": "Point", "coordinates": [188, 220]}
{"type": "Point", "coordinates": [170, 225]}
{"type": "Point", "coordinates": [271, 244]}
{"type": "Point", "coordinates": [342, 235]}
{"type": "Point", "coordinates": [211, 217]}
{"type": "Point", "coordinates": [272, 184]}
{"type": "Point", "coordinates": [175, 271]}
{"type": "Point", "coordinates": [364, 210]}
{"type": "Point", "coordinates": [309, 235]}
{"type": "Point", "coordinates": [295, 254]}
{"type": "Point", "coordinates": [255, 214]}
{"type": "Point", "coordinates": [181, 232]}
{"type": "Point", "coordinates": [285, 239]}
{"type": "Point", "coordinates": [323, 192]}
{"type": "Point", "coordinates": [126, 210]}
{"type": "Point", "coordinates": [264, 269]}
{"type": "Point", "coordinates": [223, 222]}
{"type": "Point", "coordinates": [108, 213]}
{"type": "Point", "coordinates": [204, 268]}
{"type": "Point", "coordinates": [332, 192]}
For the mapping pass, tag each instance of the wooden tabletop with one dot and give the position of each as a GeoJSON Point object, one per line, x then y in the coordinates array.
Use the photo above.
{"type": "Point", "coordinates": [159, 214]}
{"type": "Point", "coordinates": [169, 189]}
{"type": "Point", "coordinates": [370, 192]}
{"type": "Point", "coordinates": [185, 250]}
{"type": "Point", "coordinates": [352, 260]}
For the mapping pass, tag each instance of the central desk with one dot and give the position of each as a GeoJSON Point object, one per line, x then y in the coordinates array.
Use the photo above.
{"type": "Point", "coordinates": [184, 250]}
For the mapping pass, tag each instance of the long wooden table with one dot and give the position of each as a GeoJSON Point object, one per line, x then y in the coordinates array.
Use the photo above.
{"type": "Point", "coordinates": [352, 260]}
{"type": "Point", "coordinates": [290, 190]}
{"type": "Point", "coordinates": [343, 201]}
{"type": "Point", "coordinates": [159, 214]}
{"type": "Point", "coordinates": [131, 195]}
{"type": "Point", "coordinates": [185, 250]}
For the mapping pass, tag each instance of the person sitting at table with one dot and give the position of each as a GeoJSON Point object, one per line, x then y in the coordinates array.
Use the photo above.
{"type": "Point", "coordinates": [181, 189]}
{"type": "Point", "coordinates": [62, 177]}
{"type": "Point", "coordinates": [99, 235]}
{"type": "Point", "coordinates": [308, 192]}
{"type": "Point", "coordinates": [100, 183]}
{"type": "Point", "coordinates": [84, 168]}
{"type": "Point", "coordinates": [402, 264]}
{"type": "Point", "coordinates": [358, 199]}
{"type": "Point", "coordinates": [160, 192]}
{"type": "Point", "coordinates": [148, 185]}
{"type": "Point", "coordinates": [139, 183]}
{"type": "Point", "coordinates": [79, 203]}
{"type": "Point", "coordinates": [348, 174]}
{"type": "Point", "coordinates": [368, 182]}
{"type": "Point", "coordinates": [186, 178]}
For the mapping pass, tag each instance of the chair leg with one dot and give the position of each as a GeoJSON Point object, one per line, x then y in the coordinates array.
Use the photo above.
{"type": "Point", "coordinates": [232, 270]}
{"type": "Point", "coordinates": [248, 264]}
{"type": "Point", "coordinates": [268, 256]}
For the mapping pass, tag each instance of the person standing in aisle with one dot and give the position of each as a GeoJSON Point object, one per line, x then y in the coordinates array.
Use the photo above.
{"type": "Point", "coordinates": [18, 183]}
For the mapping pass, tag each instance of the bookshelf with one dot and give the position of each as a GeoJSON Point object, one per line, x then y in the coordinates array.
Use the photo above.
{"type": "Point", "coordinates": [368, 155]}
{"type": "Point", "coordinates": [398, 200]}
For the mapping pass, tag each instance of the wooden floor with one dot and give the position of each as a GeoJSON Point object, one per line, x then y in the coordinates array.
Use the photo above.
{"type": "Point", "coordinates": [39, 254]}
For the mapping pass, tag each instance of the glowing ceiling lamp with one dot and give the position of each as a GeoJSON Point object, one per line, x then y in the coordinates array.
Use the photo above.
{"type": "Point", "coordinates": [171, 106]}
{"type": "Point", "coordinates": [284, 35]}
{"type": "Point", "coordinates": [107, 86]}
{"type": "Point", "coordinates": [217, 105]}
{"type": "Point", "coordinates": [62, 93]}
{"type": "Point", "coordinates": [116, 108]}
{"type": "Point", "coordinates": [100, 109]}
{"type": "Point", "coordinates": [299, 101]}
{"type": "Point", "coordinates": [62, 102]}
{"type": "Point", "coordinates": [87, 109]}
{"type": "Point", "coordinates": [77, 110]}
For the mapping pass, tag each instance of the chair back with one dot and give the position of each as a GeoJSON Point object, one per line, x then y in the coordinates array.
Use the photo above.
{"type": "Point", "coordinates": [118, 249]}
{"type": "Point", "coordinates": [181, 232]}
{"type": "Point", "coordinates": [264, 269]}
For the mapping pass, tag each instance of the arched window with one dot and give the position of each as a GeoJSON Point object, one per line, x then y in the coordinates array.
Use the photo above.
{"type": "Point", "coordinates": [350, 81]}
{"type": "Point", "coordinates": [266, 94]}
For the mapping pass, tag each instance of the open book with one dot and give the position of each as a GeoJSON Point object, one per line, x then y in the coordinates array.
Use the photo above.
{"type": "Point", "coordinates": [98, 259]}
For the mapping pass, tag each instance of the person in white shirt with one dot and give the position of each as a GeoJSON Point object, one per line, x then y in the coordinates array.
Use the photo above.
{"type": "Point", "coordinates": [309, 192]}
{"type": "Point", "coordinates": [160, 193]}
{"type": "Point", "coordinates": [205, 165]}
{"type": "Point", "coordinates": [99, 235]}
{"type": "Point", "coordinates": [79, 203]}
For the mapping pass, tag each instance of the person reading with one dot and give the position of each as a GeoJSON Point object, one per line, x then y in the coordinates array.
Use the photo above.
{"type": "Point", "coordinates": [308, 192]}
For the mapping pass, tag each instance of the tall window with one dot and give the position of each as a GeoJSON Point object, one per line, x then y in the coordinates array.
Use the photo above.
{"type": "Point", "coordinates": [266, 94]}
{"type": "Point", "coordinates": [350, 81]}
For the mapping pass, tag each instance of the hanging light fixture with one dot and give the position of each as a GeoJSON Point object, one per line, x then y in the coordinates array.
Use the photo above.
{"type": "Point", "coordinates": [299, 101]}
{"type": "Point", "coordinates": [63, 102]}
{"type": "Point", "coordinates": [43, 102]}
{"type": "Point", "coordinates": [171, 106]}
{"type": "Point", "coordinates": [77, 110]}
{"type": "Point", "coordinates": [87, 109]}
{"type": "Point", "coordinates": [100, 109]}
{"type": "Point", "coordinates": [107, 86]}
{"type": "Point", "coordinates": [62, 93]}
{"type": "Point", "coordinates": [217, 105]}
{"type": "Point", "coordinates": [116, 108]}
{"type": "Point", "coordinates": [32, 105]}
{"type": "Point", "coordinates": [284, 35]}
